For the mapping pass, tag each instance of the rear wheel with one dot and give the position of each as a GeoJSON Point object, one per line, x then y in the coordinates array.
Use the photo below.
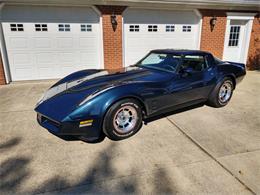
{"type": "Point", "coordinates": [123, 119]}
{"type": "Point", "coordinates": [222, 94]}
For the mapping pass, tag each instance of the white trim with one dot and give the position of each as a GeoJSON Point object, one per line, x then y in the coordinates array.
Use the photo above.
{"type": "Point", "coordinates": [160, 8]}
{"type": "Point", "coordinates": [101, 42]}
{"type": "Point", "coordinates": [240, 16]}
{"type": "Point", "coordinates": [3, 49]}
{"type": "Point", "coordinates": [123, 39]}
{"type": "Point", "coordinates": [200, 28]}
{"type": "Point", "coordinates": [248, 29]}
{"type": "Point", "coordinates": [248, 32]}
{"type": "Point", "coordinates": [226, 38]}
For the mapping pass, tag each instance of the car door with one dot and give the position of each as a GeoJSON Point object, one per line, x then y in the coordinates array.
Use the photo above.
{"type": "Point", "coordinates": [193, 80]}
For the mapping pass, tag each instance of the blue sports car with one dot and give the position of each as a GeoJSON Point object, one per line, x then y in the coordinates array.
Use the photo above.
{"type": "Point", "coordinates": [92, 104]}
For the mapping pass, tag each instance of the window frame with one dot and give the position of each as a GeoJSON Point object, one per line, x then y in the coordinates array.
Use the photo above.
{"type": "Point", "coordinates": [134, 28]}
{"type": "Point", "coordinates": [206, 62]}
{"type": "Point", "coordinates": [64, 27]}
{"type": "Point", "coordinates": [16, 27]}
{"type": "Point", "coordinates": [152, 28]}
{"type": "Point", "coordinates": [86, 28]}
{"type": "Point", "coordinates": [186, 28]}
{"type": "Point", "coordinates": [171, 28]}
{"type": "Point", "coordinates": [234, 36]}
{"type": "Point", "coordinates": [41, 27]}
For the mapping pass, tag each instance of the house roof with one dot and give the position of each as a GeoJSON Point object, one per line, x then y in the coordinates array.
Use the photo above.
{"type": "Point", "coordinates": [213, 4]}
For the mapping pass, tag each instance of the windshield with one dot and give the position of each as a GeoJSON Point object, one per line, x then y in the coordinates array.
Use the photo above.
{"type": "Point", "coordinates": [161, 61]}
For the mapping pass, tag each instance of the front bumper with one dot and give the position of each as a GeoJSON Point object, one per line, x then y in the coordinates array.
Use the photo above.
{"type": "Point", "coordinates": [69, 128]}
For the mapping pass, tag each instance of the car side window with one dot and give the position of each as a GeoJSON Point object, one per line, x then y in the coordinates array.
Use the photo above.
{"type": "Point", "coordinates": [196, 63]}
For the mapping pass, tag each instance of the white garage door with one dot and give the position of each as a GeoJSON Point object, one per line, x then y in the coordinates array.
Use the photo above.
{"type": "Point", "coordinates": [145, 30]}
{"type": "Point", "coordinates": [48, 42]}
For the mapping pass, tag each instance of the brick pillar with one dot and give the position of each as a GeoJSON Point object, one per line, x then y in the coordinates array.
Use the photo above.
{"type": "Point", "coordinates": [213, 41]}
{"type": "Point", "coordinates": [253, 60]}
{"type": "Point", "coordinates": [112, 40]}
{"type": "Point", "coordinates": [2, 75]}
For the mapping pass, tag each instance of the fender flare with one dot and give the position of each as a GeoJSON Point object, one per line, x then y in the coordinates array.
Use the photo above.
{"type": "Point", "coordinates": [219, 81]}
{"type": "Point", "coordinates": [113, 101]}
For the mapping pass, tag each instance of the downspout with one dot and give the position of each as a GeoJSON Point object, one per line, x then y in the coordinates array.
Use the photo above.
{"type": "Point", "coordinates": [3, 48]}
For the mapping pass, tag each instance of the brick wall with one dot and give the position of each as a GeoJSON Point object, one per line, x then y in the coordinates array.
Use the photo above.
{"type": "Point", "coordinates": [113, 47]}
{"type": "Point", "coordinates": [2, 76]}
{"type": "Point", "coordinates": [253, 61]}
{"type": "Point", "coordinates": [213, 41]}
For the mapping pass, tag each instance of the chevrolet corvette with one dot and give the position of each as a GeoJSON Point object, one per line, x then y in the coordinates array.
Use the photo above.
{"type": "Point", "coordinates": [91, 104]}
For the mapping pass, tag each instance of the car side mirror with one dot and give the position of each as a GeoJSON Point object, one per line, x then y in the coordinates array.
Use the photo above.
{"type": "Point", "coordinates": [184, 72]}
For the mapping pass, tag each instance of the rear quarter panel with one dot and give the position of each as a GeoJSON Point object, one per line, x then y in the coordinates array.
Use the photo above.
{"type": "Point", "coordinates": [235, 70]}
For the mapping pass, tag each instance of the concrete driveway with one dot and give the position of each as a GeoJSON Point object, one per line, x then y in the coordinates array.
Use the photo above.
{"type": "Point", "coordinates": [203, 150]}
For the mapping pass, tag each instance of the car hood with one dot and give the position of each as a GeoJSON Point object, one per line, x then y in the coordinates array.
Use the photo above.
{"type": "Point", "coordinates": [96, 80]}
{"type": "Point", "coordinates": [63, 97]}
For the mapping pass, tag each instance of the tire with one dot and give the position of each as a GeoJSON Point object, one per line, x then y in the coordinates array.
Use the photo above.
{"type": "Point", "coordinates": [222, 93]}
{"type": "Point", "coordinates": [123, 119]}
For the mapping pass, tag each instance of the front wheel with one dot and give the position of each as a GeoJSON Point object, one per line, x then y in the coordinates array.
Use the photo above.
{"type": "Point", "coordinates": [222, 94]}
{"type": "Point", "coordinates": [123, 119]}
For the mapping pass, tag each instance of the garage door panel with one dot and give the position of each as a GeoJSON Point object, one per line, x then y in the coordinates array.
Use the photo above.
{"type": "Point", "coordinates": [149, 16]}
{"type": "Point", "coordinates": [49, 14]}
{"type": "Point", "coordinates": [66, 58]}
{"type": "Point", "coordinates": [85, 60]}
{"type": "Point", "coordinates": [51, 45]}
{"type": "Point", "coordinates": [23, 73]}
{"type": "Point", "coordinates": [45, 72]}
{"type": "Point", "coordinates": [145, 30]}
{"type": "Point", "coordinates": [42, 43]}
{"type": "Point", "coordinates": [44, 59]}
{"type": "Point", "coordinates": [18, 43]}
{"type": "Point", "coordinates": [65, 42]}
{"type": "Point", "coordinates": [84, 42]}
{"type": "Point", "coordinates": [21, 59]}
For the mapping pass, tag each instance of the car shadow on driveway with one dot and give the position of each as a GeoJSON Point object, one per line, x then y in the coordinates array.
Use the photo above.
{"type": "Point", "coordinates": [101, 176]}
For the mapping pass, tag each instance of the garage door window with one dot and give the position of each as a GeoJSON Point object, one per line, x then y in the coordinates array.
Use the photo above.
{"type": "Point", "coordinates": [134, 28]}
{"type": "Point", "coordinates": [152, 28]}
{"type": "Point", "coordinates": [41, 27]}
{"type": "Point", "coordinates": [186, 28]}
{"type": "Point", "coordinates": [64, 27]}
{"type": "Point", "coordinates": [86, 27]}
{"type": "Point", "coordinates": [16, 27]}
{"type": "Point", "coordinates": [170, 28]}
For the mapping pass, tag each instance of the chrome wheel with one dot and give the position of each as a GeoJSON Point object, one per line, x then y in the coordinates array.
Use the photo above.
{"type": "Point", "coordinates": [125, 119]}
{"type": "Point", "coordinates": [225, 92]}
